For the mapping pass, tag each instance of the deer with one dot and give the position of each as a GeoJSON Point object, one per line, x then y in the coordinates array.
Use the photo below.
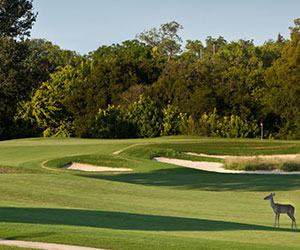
{"type": "Point", "coordinates": [281, 209]}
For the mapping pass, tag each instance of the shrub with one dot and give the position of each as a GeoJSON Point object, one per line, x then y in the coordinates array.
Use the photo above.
{"type": "Point", "coordinates": [290, 166]}
{"type": "Point", "coordinates": [228, 126]}
{"type": "Point", "coordinates": [173, 121]}
{"type": "Point", "coordinates": [146, 117]}
{"type": "Point", "coordinates": [112, 123]}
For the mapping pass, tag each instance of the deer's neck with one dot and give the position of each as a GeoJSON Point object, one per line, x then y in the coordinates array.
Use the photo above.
{"type": "Point", "coordinates": [272, 203]}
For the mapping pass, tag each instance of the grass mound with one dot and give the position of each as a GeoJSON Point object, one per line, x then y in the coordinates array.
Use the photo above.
{"type": "Point", "coordinates": [98, 160]}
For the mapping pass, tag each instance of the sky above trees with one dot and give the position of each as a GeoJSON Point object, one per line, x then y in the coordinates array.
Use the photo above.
{"type": "Point", "coordinates": [84, 25]}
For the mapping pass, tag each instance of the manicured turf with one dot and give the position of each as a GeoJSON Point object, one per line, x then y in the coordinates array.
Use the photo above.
{"type": "Point", "coordinates": [157, 206]}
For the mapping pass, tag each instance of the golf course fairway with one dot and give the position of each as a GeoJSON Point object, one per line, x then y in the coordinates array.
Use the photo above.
{"type": "Point", "coordinates": [154, 206]}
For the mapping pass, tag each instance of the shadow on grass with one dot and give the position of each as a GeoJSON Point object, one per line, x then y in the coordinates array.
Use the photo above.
{"type": "Point", "coordinates": [119, 220]}
{"type": "Point", "coordinates": [30, 236]}
{"type": "Point", "coordinates": [196, 179]}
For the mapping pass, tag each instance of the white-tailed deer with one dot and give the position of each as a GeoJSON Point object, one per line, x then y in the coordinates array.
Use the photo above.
{"type": "Point", "coordinates": [281, 209]}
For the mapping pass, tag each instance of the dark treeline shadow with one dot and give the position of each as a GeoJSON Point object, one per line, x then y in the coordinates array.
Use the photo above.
{"type": "Point", "coordinates": [184, 178]}
{"type": "Point", "coordinates": [119, 220]}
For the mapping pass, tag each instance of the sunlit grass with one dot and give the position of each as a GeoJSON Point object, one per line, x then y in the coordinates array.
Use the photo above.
{"type": "Point", "coordinates": [156, 206]}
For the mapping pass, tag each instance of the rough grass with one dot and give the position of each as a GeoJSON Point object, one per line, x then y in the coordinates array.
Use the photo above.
{"type": "Point", "coordinates": [157, 206]}
{"type": "Point", "coordinates": [261, 163]}
{"type": "Point", "coordinates": [14, 170]}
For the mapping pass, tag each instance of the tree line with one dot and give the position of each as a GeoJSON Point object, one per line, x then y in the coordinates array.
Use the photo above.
{"type": "Point", "coordinates": [149, 86]}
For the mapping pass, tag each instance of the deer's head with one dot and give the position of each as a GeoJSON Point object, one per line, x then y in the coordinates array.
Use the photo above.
{"type": "Point", "coordinates": [270, 196]}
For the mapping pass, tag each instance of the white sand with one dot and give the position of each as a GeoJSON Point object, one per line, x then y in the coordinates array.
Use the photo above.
{"type": "Point", "coordinates": [41, 245]}
{"type": "Point", "coordinates": [215, 167]}
{"type": "Point", "coordinates": [93, 168]}
{"type": "Point", "coordinates": [208, 156]}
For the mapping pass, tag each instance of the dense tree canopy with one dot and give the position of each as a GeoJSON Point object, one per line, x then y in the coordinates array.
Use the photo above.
{"type": "Point", "coordinates": [149, 86]}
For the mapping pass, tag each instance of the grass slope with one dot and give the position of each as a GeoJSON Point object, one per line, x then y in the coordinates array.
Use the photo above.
{"type": "Point", "coordinates": [157, 206]}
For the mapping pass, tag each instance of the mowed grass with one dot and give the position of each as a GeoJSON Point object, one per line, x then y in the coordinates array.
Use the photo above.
{"type": "Point", "coordinates": [157, 206]}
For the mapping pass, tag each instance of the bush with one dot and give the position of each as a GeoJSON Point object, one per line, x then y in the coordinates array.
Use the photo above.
{"type": "Point", "coordinates": [228, 126]}
{"type": "Point", "coordinates": [146, 117]}
{"type": "Point", "coordinates": [290, 166]}
{"type": "Point", "coordinates": [173, 121]}
{"type": "Point", "coordinates": [112, 123]}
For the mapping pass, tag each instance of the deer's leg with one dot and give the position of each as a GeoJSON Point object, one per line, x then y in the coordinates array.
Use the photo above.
{"type": "Point", "coordinates": [276, 220]}
{"type": "Point", "coordinates": [293, 220]}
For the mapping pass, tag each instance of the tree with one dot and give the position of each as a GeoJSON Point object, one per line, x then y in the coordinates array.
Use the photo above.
{"type": "Point", "coordinates": [44, 58]}
{"type": "Point", "coordinates": [15, 81]}
{"type": "Point", "coordinates": [195, 48]}
{"type": "Point", "coordinates": [166, 39]}
{"type": "Point", "coordinates": [214, 44]}
{"type": "Point", "coordinates": [16, 18]}
{"type": "Point", "coordinates": [282, 93]}
{"type": "Point", "coordinates": [25, 65]}
{"type": "Point", "coordinates": [47, 109]}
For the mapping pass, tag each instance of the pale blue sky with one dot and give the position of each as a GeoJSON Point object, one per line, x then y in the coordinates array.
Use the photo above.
{"type": "Point", "coordinates": [84, 25]}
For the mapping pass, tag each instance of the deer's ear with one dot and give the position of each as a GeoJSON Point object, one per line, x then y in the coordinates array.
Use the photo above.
{"type": "Point", "coordinates": [273, 194]}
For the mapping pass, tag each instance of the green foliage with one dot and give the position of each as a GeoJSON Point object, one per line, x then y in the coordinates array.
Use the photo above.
{"type": "Point", "coordinates": [109, 74]}
{"type": "Point", "coordinates": [290, 166]}
{"type": "Point", "coordinates": [145, 115]}
{"type": "Point", "coordinates": [24, 66]}
{"type": "Point", "coordinates": [47, 109]}
{"type": "Point", "coordinates": [16, 18]}
{"type": "Point", "coordinates": [15, 82]}
{"type": "Point", "coordinates": [112, 123]}
{"type": "Point", "coordinates": [165, 39]}
{"type": "Point", "coordinates": [194, 48]}
{"type": "Point", "coordinates": [60, 92]}
{"type": "Point", "coordinates": [282, 91]}
{"type": "Point", "coordinates": [173, 120]}
{"type": "Point", "coordinates": [228, 126]}
{"type": "Point", "coordinates": [44, 58]}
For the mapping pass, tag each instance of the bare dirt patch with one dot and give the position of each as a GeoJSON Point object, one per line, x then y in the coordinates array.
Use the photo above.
{"type": "Point", "coordinates": [92, 168]}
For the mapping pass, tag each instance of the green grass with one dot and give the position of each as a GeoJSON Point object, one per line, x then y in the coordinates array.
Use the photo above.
{"type": "Point", "coordinates": [157, 206]}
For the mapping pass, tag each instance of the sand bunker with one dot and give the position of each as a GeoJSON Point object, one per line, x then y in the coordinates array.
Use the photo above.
{"type": "Point", "coordinates": [92, 168]}
{"type": "Point", "coordinates": [215, 167]}
{"type": "Point", "coordinates": [42, 245]}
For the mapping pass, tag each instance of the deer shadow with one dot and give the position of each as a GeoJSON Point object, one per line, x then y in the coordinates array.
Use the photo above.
{"type": "Point", "coordinates": [120, 220]}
